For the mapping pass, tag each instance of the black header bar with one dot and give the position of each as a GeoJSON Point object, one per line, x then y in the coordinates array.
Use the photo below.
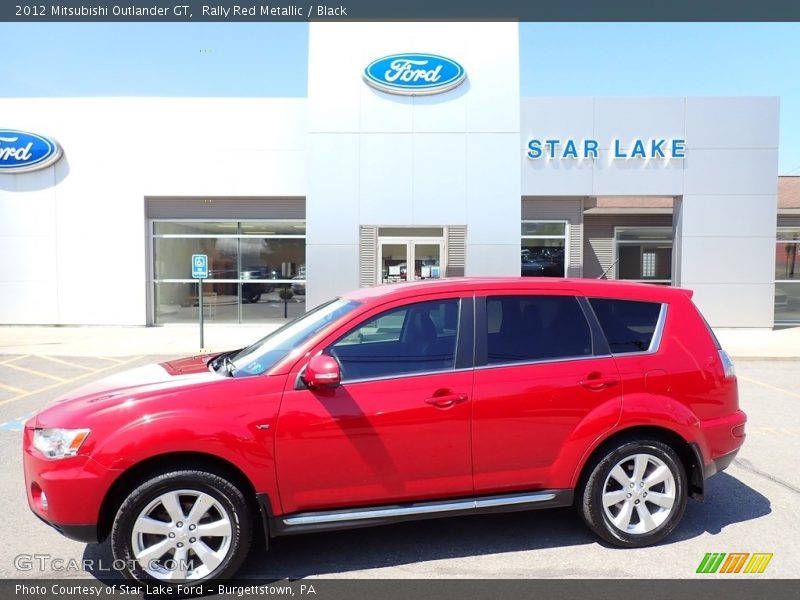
{"type": "Point", "coordinates": [398, 10]}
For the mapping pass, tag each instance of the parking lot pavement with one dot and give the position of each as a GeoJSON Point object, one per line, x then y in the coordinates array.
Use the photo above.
{"type": "Point", "coordinates": [752, 507]}
{"type": "Point", "coordinates": [28, 380]}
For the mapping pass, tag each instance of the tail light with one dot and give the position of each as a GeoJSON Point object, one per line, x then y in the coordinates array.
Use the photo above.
{"type": "Point", "coordinates": [727, 365]}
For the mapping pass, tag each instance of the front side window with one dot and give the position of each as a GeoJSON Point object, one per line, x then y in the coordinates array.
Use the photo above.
{"type": "Point", "coordinates": [410, 339]}
{"type": "Point", "coordinates": [531, 328]}
{"type": "Point", "coordinates": [628, 325]}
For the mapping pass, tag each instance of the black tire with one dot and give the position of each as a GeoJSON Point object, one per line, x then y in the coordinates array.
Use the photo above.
{"type": "Point", "coordinates": [590, 497]}
{"type": "Point", "coordinates": [230, 499]}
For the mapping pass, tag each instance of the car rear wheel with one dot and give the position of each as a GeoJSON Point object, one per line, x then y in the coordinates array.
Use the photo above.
{"type": "Point", "coordinates": [182, 526]}
{"type": "Point", "coordinates": [635, 494]}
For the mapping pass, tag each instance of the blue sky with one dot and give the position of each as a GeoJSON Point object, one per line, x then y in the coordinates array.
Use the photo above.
{"type": "Point", "coordinates": [266, 59]}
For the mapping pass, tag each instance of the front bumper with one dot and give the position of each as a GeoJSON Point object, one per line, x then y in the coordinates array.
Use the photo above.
{"type": "Point", "coordinates": [68, 493]}
{"type": "Point", "coordinates": [80, 533]}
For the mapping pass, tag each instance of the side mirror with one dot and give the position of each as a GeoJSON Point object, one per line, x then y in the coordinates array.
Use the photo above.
{"type": "Point", "coordinates": [322, 371]}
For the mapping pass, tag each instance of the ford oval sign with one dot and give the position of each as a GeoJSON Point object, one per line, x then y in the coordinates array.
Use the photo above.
{"type": "Point", "coordinates": [414, 74]}
{"type": "Point", "coordinates": [21, 151]}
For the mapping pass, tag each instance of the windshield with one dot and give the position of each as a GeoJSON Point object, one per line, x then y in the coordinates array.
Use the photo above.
{"type": "Point", "coordinates": [266, 352]}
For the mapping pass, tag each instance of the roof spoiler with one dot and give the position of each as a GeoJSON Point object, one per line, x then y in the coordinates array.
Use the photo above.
{"type": "Point", "coordinates": [689, 293]}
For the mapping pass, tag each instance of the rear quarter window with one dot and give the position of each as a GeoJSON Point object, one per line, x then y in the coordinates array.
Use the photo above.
{"type": "Point", "coordinates": [534, 328]}
{"type": "Point", "coordinates": [629, 325]}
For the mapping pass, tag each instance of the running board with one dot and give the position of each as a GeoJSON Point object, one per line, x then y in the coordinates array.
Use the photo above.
{"type": "Point", "coordinates": [382, 515]}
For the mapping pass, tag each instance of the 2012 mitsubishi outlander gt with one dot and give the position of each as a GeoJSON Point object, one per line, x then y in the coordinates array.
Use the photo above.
{"type": "Point", "coordinates": [391, 403]}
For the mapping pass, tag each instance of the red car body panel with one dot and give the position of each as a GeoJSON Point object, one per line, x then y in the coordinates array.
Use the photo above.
{"type": "Point", "coordinates": [510, 427]}
{"type": "Point", "coordinates": [374, 442]}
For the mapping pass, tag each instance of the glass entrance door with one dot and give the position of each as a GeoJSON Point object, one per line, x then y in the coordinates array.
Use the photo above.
{"type": "Point", "coordinates": [394, 263]}
{"type": "Point", "coordinates": [410, 259]}
{"type": "Point", "coordinates": [427, 260]}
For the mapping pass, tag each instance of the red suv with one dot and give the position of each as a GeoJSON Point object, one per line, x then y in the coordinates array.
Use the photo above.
{"type": "Point", "coordinates": [391, 403]}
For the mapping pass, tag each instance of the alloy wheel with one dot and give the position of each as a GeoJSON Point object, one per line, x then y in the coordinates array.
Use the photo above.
{"type": "Point", "coordinates": [639, 494]}
{"type": "Point", "coordinates": [181, 535]}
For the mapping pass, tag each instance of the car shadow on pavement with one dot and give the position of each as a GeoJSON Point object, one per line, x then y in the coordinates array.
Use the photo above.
{"type": "Point", "coordinates": [728, 501]}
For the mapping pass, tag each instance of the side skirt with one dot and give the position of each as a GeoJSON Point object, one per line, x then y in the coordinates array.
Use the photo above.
{"type": "Point", "coordinates": [329, 520]}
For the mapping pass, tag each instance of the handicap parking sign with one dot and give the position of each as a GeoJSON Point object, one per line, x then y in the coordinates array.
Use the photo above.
{"type": "Point", "coordinates": [199, 266]}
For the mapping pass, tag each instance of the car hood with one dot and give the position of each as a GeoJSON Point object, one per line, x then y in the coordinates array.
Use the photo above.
{"type": "Point", "coordinates": [129, 387]}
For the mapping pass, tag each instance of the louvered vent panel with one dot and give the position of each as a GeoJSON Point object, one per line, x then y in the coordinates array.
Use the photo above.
{"type": "Point", "coordinates": [456, 250]}
{"type": "Point", "coordinates": [788, 220]}
{"type": "Point", "coordinates": [367, 255]}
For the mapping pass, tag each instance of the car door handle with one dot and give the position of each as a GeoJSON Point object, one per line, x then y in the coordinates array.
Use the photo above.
{"type": "Point", "coordinates": [446, 401]}
{"type": "Point", "coordinates": [599, 383]}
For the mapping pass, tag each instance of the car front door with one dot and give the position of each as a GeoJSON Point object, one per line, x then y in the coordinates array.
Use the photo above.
{"type": "Point", "coordinates": [398, 427]}
{"type": "Point", "coordinates": [545, 387]}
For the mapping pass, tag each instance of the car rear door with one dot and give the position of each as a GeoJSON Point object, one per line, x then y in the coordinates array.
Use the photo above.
{"type": "Point", "coordinates": [545, 387]}
{"type": "Point", "coordinates": [398, 427]}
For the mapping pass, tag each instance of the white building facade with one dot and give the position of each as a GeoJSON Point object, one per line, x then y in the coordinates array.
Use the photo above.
{"type": "Point", "coordinates": [297, 200]}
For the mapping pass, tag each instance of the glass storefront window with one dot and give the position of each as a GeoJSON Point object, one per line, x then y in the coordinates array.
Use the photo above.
{"type": "Point", "coordinates": [409, 232]}
{"type": "Point", "coordinates": [543, 228]}
{"type": "Point", "coordinates": [266, 258]}
{"type": "Point", "coordinates": [178, 302]}
{"type": "Point", "coordinates": [273, 228]}
{"type": "Point", "coordinates": [543, 251]}
{"type": "Point", "coordinates": [644, 234]}
{"type": "Point", "coordinates": [195, 228]}
{"type": "Point", "coordinates": [173, 255]}
{"type": "Point", "coordinates": [787, 275]}
{"type": "Point", "coordinates": [644, 254]}
{"type": "Point", "coordinates": [256, 270]}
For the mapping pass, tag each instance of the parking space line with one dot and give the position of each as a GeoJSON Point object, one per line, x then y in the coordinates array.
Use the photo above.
{"type": "Point", "coordinates": [112, 359]}
{"type": "Point", "coordinates": [10, 360]}
{"type": "Point", "coordinates": [11, 388]}
{"type": "Point", "coordinates": [32, 372]}
{"type": "Point", "coordinates": [68, 381]}
{"type": "Point", "coordinates": [768, 386]}
{"type": "Point", "coordinates": [64, 362]}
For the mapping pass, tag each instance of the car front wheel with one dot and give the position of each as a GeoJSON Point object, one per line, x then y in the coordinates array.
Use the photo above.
{"type": "Point", "coordinates": [182, 526]}
{"type": "Point", "coordinates": [635, 494]}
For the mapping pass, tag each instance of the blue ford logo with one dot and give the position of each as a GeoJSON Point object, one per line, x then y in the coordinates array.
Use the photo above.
{"type": "Point", "coordinates": [21, 151]}
{"type": "Point", "coordinates": [414, 74]}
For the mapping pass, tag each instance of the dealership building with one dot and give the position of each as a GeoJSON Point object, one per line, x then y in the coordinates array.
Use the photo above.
{"type": "Point", "coordinates": [395, 167]}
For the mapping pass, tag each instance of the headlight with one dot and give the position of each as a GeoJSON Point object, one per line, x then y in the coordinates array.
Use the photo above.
{"type": "Point", "coordinates": [59, 443]}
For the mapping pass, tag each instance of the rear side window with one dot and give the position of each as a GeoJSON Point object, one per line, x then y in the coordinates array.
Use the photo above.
{"type": "Point", "coordinates": [629, 325]}
{"type": "Point", "coordinates": [528, 328]}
